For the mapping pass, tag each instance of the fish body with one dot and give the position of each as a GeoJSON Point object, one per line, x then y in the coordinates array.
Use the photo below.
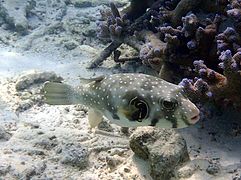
{"type": "Point", "coordinates": [128, 100]}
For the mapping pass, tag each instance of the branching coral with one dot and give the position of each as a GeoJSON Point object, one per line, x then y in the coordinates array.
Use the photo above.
{"type": "Point", "coordinates": [222, 89]}
{"type": "Point", "coordinates": [229, 39]}
{"type": "Point", "coordinates": [172, 35]}
{"type": "Point", "coordinates": [235, 13]}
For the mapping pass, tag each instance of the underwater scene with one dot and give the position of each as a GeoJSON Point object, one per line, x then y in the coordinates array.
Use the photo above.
{"type": "Point", "coordinates": [120, 89]}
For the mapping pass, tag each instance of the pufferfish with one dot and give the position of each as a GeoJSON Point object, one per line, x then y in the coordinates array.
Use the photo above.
{"type": "Point", "coordinates": [128, 100]}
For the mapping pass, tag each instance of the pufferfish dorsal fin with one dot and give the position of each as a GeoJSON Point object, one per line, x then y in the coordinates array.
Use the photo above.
{"type": "Point", "coordinates": [94, 117]}
{"type": "Point", "coordinates": [95, 79]}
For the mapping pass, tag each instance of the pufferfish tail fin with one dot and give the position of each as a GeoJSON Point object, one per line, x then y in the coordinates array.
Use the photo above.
{"type": "Point", "coordinates": [60, 94]}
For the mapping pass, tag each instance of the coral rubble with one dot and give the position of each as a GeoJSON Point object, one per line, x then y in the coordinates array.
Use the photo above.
{"type": "Point", "coordinates": [164, 149]}
{"type": "Point", "coordinates": [173, 37]}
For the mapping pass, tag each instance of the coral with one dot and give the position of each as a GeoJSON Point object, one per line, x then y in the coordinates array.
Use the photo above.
{"type": "Point", "coordinates": [32, 77]}
{"type": "Point", "coordinates": [234, 12]}
{"type": "Point", "coordinates": [112, 28]}
{"type": "Point", "coordinates": [221, 88]}
{"type": "Point", "coordinates": [182, 8]}
{"type": "Point", "coordinates": [14, 14]}
{"type": "Point", "coordinates": [170, 36]}
{"type": "Point", "coordinates": [28, 88]}
{"type": "Point", "coordinates": [229, 39]}
{"type": "Point", "coordinates": [137, 8]}
{"type": "Point", "coordinates": [4, 135]}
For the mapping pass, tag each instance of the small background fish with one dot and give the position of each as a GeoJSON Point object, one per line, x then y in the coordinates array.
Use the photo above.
{"type": "Point", "coordinates": [129, 100]}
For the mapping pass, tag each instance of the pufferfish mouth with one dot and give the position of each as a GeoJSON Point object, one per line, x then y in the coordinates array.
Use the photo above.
{"type": "Point", "coordinates": [195, 118]}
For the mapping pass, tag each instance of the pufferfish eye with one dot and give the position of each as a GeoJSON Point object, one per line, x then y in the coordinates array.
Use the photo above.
{"type": "Point", "coordinates": [168, 104]}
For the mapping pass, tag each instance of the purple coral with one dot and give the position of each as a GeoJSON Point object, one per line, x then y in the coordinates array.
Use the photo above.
{"type": "Point", "coordinates": [114, 25]}
{"type": "Point", "coordinates": [186, 83]}
{"type": "Point", "coordinates": [190, 24]}
{"type": "Point", "coordinates": [172, 36]}
{"type": "Point", "coordinates": [196, 89]}
{"type": "Point", "coordinates": [228, 63]}
{"type": "Point", "coordinates": [229, 39]}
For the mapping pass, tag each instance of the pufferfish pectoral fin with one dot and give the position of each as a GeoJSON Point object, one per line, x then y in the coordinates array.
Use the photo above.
{"type": "Point", "coordinates": [94, 117]}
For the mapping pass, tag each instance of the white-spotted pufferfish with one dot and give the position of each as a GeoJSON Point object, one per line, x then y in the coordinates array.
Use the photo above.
{"type": "Point", "coordinates": [128, 100]}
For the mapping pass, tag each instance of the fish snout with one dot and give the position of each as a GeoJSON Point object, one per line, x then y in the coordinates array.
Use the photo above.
{"type": "Point", "coordinates": [191, 112]}
{"type": "Point", "coordinates": [194, 115]}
